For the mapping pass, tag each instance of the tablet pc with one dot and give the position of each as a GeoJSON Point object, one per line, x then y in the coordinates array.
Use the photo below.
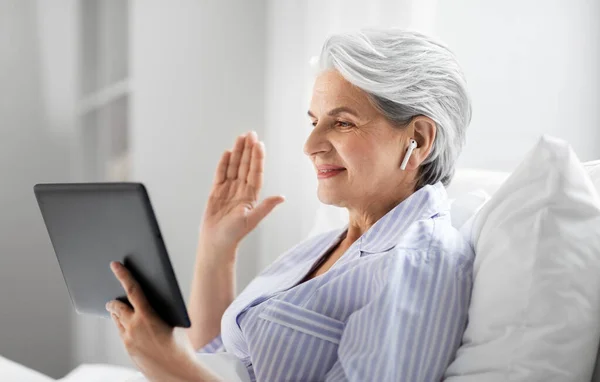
{"type": "Point", "coordinates": [92, 224]}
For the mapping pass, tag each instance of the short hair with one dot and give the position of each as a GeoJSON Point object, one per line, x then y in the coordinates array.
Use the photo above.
{"type": "Point", "coordinates": [406, 73]}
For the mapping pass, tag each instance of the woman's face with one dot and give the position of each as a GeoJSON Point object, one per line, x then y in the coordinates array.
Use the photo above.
{"type": "Point", "coordinates": [359, 149]}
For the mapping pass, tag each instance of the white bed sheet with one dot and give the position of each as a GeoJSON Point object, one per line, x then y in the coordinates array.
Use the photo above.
{"type": "Point", "coordinates": [225, 365]}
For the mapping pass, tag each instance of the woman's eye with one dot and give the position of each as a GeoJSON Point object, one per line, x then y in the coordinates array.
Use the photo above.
{"type": "Point", "coordinates": [343, 124]}
{"type": "Point", "coordinates": [340, 124]}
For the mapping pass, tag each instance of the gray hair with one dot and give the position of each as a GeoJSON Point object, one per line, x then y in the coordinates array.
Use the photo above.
{"type": "Point", "coordinates": [405, 74]}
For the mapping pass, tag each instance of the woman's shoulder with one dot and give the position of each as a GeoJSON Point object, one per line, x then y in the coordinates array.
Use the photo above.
{"type": "Point", "coordinates": [448, 241]}
{"type": "Point", "coordinates": [435, 242]}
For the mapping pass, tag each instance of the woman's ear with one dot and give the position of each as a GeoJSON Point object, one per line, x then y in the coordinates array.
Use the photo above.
{"type": "Point", "coordinates": [423, 131]}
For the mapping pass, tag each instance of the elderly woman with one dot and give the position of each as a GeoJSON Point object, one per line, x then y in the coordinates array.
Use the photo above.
{"type": "Point", "coordinates": [383, 298]}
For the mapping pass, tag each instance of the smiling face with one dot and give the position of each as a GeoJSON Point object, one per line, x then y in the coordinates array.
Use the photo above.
{"type": "Point", "coordinates": [356, 148]}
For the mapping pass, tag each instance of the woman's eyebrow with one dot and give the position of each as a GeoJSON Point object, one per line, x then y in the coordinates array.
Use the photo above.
{"type": "Point", "coordinates": [337, 110]}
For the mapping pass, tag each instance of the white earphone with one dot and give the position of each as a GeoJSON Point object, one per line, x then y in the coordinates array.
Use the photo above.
{"type": "Point", "coordinates": [411, 147]}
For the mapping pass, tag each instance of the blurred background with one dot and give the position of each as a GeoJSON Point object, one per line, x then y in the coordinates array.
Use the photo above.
{"type": "Point", "coordinates": [154, 91]}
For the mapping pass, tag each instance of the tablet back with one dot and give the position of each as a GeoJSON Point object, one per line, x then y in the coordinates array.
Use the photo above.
{"type": "Point", "coordinates": [92, 224]}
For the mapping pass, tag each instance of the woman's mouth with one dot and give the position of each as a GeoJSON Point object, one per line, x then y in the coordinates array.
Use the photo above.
{"type": "Point", "coordinates": [328, 173]}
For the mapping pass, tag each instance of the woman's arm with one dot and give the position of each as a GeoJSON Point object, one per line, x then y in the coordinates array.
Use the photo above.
{"type": "Point", "coordinates": [232, 211]}
{"type": "Point", "coordinates": [213, 289]}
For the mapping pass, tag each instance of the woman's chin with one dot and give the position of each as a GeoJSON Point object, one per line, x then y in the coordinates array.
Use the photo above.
{"type": "Point", "coordinates": [328, 196]}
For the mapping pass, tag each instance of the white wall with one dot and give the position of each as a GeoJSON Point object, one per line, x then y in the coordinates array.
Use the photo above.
{"type": "Point", "coordinates": [533, 68]}
{"type": "Point", "coordinates": [198, 81]}
{"type": "Point", "coordinates": [35, 326]}
{"type": "Point", "coordinates": [197, 72]}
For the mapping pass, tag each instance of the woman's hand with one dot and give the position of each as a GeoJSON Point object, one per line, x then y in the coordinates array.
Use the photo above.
{"type": "Point", "coordinates": [232, 210]}
{"type": "Point", "coordinates": [158, 351]}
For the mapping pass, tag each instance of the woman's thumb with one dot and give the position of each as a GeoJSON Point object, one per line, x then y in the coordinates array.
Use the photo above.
{"type": "Point", "coordinates": [263, 209]}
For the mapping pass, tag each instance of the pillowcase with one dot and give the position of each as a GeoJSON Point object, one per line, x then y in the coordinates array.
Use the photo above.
{"type": "Point", "coordinates": [535, 306]}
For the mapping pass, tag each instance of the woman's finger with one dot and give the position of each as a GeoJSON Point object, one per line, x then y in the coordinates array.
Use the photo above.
{"type": "Point", "coordinates": [236, 157]}
{"type": "Point", "coordinates": [118, 323]}
{"type": "Point", "coordinates": [121, 310]}
{"type": "Point", "coordinates": [132, 288]}
{"type": "Point", "coordinates": [247, 156]}
{"type": "Point", "coordinates": [221, 173]}
{"type": "Point", "coordinates": [255, 177]}
{"type": "Point", "coordinates": [263, 209]}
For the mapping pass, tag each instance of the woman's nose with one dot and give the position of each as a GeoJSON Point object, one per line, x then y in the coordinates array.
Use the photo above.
{"type": "Point", "coordinates": [315, 143]}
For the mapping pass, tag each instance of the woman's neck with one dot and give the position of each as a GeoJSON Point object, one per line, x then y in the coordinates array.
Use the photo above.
{"type": "Point", "coordinates": [361, 220]}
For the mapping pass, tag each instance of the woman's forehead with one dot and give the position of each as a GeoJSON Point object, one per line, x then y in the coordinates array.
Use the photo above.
{"type": "Point", "coordinates": [332, 82]}
{"type": "Point", "coordinates": [332, 91]}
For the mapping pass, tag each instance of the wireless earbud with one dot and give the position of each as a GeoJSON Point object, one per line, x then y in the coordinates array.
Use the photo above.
{"type": "Point", "coordinates": [411, 147]}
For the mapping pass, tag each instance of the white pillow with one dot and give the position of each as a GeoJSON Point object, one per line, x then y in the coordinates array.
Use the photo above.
{"type": "Point", "coordinates": [468, 179]}
{"type": "Point", "coordinates": [467, 205]}
{"type": "Point", "coordinates": [535, 307]}
{"type": "Point", "coordinates": [593, 170]}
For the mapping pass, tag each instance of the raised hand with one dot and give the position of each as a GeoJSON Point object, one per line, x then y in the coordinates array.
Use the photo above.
{"type": "Point", "coordinates": [232, 210]}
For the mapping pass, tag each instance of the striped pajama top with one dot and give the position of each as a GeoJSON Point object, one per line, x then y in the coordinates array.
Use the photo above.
{"type": "Point", "coordinates": [392, 308]}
